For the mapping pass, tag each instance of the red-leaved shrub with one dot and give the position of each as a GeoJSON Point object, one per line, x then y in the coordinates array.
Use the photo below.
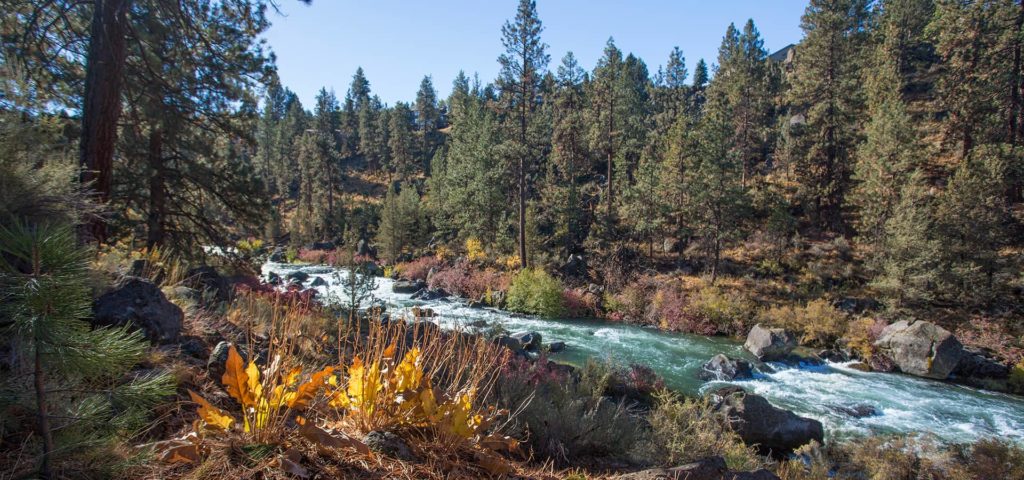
{"type": "Point", "coordinates": [418, 268]}
{"type": "Point", "coordinates": [464, 280]}
{"type": "Point", "coordinates": [580, 303]}
{"type": "Point", "coordinates": [990, 334]}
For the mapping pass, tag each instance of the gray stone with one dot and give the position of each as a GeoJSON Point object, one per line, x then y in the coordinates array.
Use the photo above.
{"type": "Point", "coordinates": [773, 430]}
{"type": "Point", "coordinates": [389, 444]}
{"type": "Point", "coordinates": [208, 280]}
{"type": "Point", "coordinates": [770, 344]}
{"type": "Point", "coordinates": [297, 276]}
{"type": "Point", "coordinates": [920, 348]}
{"type": "Point", "coordinates": [976, 363]}
{"type": "Point", "coordinates": [531, 341]}
{"type": "Point", "coordinates": [509, 342]}
{"type": "Point", "coordinates": [555, 347]}
{"type": "Point", "coordinates": [278, 256]}
{"type": "Point", "coordinates": [857, 410]}
{"type": "Point", "coordinates": [428, 294]}
{"type": "Point", "coordinates": [408, 286]}
{"type": "Point", "coordinates": [318, 282]}
{"type": "Point", "coordinates": [422, 312]}
{"type": "Point", "coordinates": [139, 303]}
{"type": "Point", "coordinates": [722, 368]}
{"type": "Point", "coordinates": [273, 278]}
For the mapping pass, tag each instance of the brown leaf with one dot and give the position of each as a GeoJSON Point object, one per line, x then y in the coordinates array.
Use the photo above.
{"type": "Point", "coordinates": [499, 443]}
{"type": "Point", "coordinates": [178, 450]}
{"type": "Point", "coordinates": [494, 464]}
{"type": "Point", "coordinates": [323, 438]}
{"type": "Point", "coordinates": [308, 390]}
{"type": "Point", "coordinates": [290, 464]}
{"type": "Point", "coordinates": [236, 380]}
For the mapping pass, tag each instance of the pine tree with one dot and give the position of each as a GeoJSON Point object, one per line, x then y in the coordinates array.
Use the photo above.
{"type": "Point", "coordinates": [891, 151]}
{"type": "Point", "coordinates": [402, 223]}
{"type": "Point", "coordinates": [75, 378]}
{"type": "Point", "coordinates": [569, 155]}
{"type": "Point", "coordinates": [716, 202]}
{"type": "Point", "coordinates": [697, 92]}
{"type": "Point", "coordinates": [326, 126]}
{"type": "Point", "coordinates": [428, 120]}
{"type": "Point", "coordinates": [975, 224]}
{"type": "Point", "coordinates": [522, 68]}
{"type": "Point", "coordinates": [906, 261]}
{"type": "Point", "coordinates": [826, 91]}
{"type": "Point", "coordinates": [402, 142]}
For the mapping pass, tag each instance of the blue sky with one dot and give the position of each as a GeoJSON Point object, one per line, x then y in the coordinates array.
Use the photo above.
{"type": "Point", "coordinates": [398, 42]}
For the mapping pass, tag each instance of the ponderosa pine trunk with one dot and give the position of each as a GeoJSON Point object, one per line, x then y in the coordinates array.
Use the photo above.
{"type": "Point", "coordinates": [101, 106]}
{"type": "Point", "coordinates": [157, 191]}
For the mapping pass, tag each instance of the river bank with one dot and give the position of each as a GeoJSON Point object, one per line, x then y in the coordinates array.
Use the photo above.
{"type": "Point", "coordinates": [904, 404]}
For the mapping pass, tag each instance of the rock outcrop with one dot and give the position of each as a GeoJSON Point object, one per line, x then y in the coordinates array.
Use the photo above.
{"type": "Point", "coordinates": [408, 286]}
{"type": "Point", "coordinates": [920, 348]}
{"type": "Point", "coordinates": [723, 368]}
{"type": "Point", "coordinates": [770, 344]}
{"type": "Point", "coordinates": [139, 303]}
{"type": "Point", "coordinates": [773, 430]}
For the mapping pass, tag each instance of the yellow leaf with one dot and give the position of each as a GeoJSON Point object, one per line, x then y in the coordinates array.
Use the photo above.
{"type": "Point", "coordinates": [213, 416]}
{"type": "Point", "coordinates": [363, 385]}
{"type": "Point", "coordinates": [308, 390]}
{"type": "Point", "coordinates": [408, 373]}
{"type": "Point", "coordinates": [236, 380]}
{"type": "Point", "coordinates": [390, 351]}
{"type": "Point", "coordinates": [293, 376]}
{"type": "Point", "coordinates": [252, 383]}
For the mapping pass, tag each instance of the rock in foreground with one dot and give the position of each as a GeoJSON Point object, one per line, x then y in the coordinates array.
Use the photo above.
{"type": "Point", "coordinates": [921, 348]}
{"type": "Point", "coordinates": [139, 303]}
{"type": "Point", "coordinates": [771, 429]}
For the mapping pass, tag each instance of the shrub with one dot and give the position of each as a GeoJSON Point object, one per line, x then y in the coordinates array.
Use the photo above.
{"type": "Point", "coordinates": [670, 310]}
{"type": "Point", "coordinates": [730, 312]}
{"type": "Point", "coordinates": [862, 334]}
{"type": "Point", "coordinates": [991, 335]}
{"type": "Point", "coordinates": [536, 292]}
{"type": "Point", "coordinates": [464, 280]}
{"type": "Point", "coordinates": [291, 255]}
{"type": "Point", "coordinates": [686, 430]}
{"type": "Point", "coordinates": [818, 322]}
{"type": "Point", "coordinates": [578, 304]}
{"type": "Point", "coordinates": [1016, 381]}
{"type": "Point", "coordinates": [475, 250]}
{"type": "Point", "coordinates": [566, 419]}
{"type": "Point", "coordinates": [630, 304]}
{"type": "Point", "coordinates": [418, 268]}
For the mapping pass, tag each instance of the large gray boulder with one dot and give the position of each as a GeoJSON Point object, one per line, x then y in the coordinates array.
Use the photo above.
{"type": "Point", "coordinates": [773, 430]}
{"type": "Point", "coordinates": [920, 348]}
{"type": "Point", "coordinates": [139, 303]}
{"type": "Point", "coordinates": [408, 286]}
{"type": "Point", "coordinates": [770, 344]}
{"type": "Point", "coordinates": [722, 368]}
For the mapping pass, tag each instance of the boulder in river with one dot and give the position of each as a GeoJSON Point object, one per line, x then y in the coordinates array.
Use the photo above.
{"type": "Point", "coordinates": [429, 294]}
{"type": "Point", "coordinates": [770, 344]}
{"type": "Point", "coordinates": [422, 312]}
{"type": "Point", "coordinates": [273, 278]}
{"type": "Point", "coordinates": [278, 255]}
{"type": "Point", "coordinates": [297, 276]}
{"type": "Point", "coordinates": [857, 410]}
{"type": "Point", "coordinates": [408, 286]}
{"type": "Point", "coordinates": [920, 348]}
{"type": "Point", "coordinates": [773, 430]}
{"type": "Point", "coordinates": [721, 368]}
{"type": "Point", "coordinates": [975, 363]}
{"type": "Point", "coordinates": [139, 303]}
{"type": "Point", "coordinates": [531, 341]}
{"type": "Point", "coordinates": [509, 342]}
{"type": "Point", "coordinates": [555, 347]}
{"type": "Point", "coordinates": [318, 282]}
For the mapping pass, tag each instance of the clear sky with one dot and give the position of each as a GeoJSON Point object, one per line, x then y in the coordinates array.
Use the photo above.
{"type": "Point", "coordinates": [397, 42]}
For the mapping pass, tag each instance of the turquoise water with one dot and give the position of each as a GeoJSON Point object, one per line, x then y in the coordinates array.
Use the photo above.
{"type": "Point", "coordinates": [907, 404]}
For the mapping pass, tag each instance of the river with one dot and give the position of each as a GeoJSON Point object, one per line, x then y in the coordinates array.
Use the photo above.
{"type": "Point", "coordinates": [905, 404]}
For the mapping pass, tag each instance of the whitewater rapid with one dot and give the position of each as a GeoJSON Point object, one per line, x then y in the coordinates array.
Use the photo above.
{"type": "Point", "coordinates": [904, 404]}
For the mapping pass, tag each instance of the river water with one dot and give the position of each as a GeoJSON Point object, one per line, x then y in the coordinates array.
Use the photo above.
{"type": "Point", "coordinates": [905, 404]}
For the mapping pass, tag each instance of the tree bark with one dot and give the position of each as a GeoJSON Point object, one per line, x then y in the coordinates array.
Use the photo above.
{"type": "Point", "coordinates": [45, 467]}
{"type": "Point", "coordinates": [101, 107]}
{"type": "Point", "coordinates": [157, 191]}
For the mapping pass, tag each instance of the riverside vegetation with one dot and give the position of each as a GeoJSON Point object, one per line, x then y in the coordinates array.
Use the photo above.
{"type": "Point", "coordinates": [858, 193]}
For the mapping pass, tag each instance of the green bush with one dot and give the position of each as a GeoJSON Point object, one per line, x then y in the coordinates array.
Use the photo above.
{"type": "Point", "coordinates": [686, 430]}
{"type": "Point", "coordinates": [536, 292]}
{"type": "Point", "coordinates": [730, 312]}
